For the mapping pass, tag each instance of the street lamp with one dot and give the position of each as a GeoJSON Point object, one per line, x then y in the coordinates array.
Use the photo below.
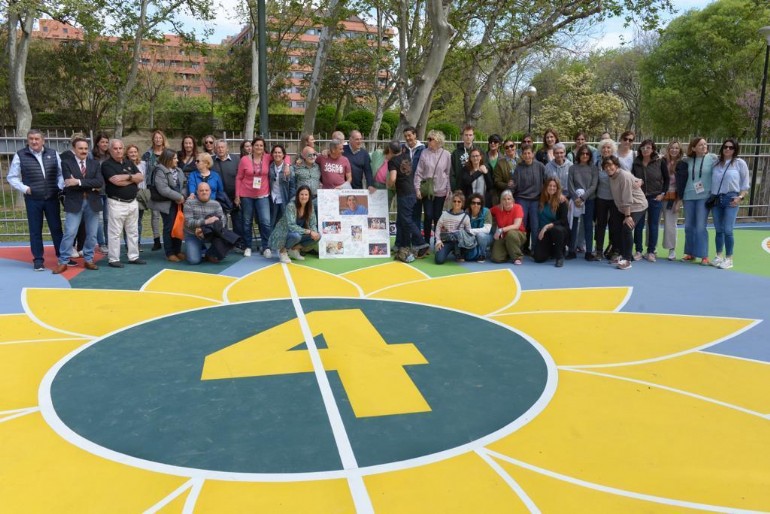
{"type": "Point", "coordinates": [765, 32]}
{"type": "Point", "coordinates": [530, 92]}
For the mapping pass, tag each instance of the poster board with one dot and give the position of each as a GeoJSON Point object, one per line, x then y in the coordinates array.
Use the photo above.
{"type": "Point", "coordinates": [353, 223]}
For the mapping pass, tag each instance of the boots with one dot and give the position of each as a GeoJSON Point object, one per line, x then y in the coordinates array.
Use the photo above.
{"type": "Point", "coordinates": [156, 244]}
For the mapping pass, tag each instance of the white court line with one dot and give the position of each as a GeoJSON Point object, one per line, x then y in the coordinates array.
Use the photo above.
{"type": "Point", "coordinates": [747, 359]}
{"type": "Point", "coordinates": [357, 487]}
{"type": "Point", "coordinates": [620, 492]}
{"type": "Point", "coordinates": [25, 341]}
{"type": "Point", "coordinates": [509, 480]}
{"type": "Point", "coordinates": [18, 414]}
{"type": "Point", "coordinates": [192, 498]}
{"type": "Point", "coordinates": [168, 499]}
{"type": "Point", "coordinates": [667, 388]}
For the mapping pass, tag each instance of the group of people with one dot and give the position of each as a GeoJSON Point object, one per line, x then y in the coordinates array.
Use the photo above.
{"type": "Point", "coordinates": [501, 203]}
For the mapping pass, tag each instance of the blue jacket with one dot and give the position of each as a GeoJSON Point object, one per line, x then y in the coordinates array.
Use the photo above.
{"type": "Point", "coordinates": [288, 185]}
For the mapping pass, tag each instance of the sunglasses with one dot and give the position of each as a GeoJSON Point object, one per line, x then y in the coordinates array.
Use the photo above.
{"type": "Point", "coordinates": [628, 139]}
{"type": "Point", "coordinates": [729, 147]}
{"type": "Point", "coordinates": [475, 203]}
{"type": "Point", "coordinates": [208, 142]}
{"type": "Point", "coordinates": [510, 146]}
{"type": "Point", "coordinates": [197, 161]}
{"type": "Point", "coordinates": [311, 156]}
{"type": "Point", "coordinates": [430, 139]}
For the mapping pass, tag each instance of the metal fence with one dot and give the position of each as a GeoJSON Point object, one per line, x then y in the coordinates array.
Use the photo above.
{"type": "Point", "coordinates": [13, 219]}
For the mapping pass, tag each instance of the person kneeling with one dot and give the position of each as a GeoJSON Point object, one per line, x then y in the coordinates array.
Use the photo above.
{"type": "Point", "coordinates": [297, 229]}
{"type": "Point", "coordinates": [554, 234]}
{"type": "Point", "coordinates": [511, 234]}
{"type": "Point", "coordinates": [204, 223]}
{"type": "Point", "coordinates": [453, 232]}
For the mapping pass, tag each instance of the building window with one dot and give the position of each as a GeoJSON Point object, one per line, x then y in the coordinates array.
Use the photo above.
{"type": "Point", "coordinates": [196, 89]}
{"type": "Point", "coordinates": [297, 105]}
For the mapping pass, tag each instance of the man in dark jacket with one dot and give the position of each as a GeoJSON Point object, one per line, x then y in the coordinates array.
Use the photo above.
{"type": "Point", "coordinates": [83, 183]}
{"type": "Point", "coordinates": [36, 172]}
{"type": "Point", "coordinates": [461, 155]}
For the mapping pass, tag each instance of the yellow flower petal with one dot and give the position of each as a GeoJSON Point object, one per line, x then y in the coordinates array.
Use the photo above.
{"type": "Point", "coordinates": [461, 484]}
{"type": "Point", "coordinates": [554, 495]}
{"type": "Point", "coordinates": [264, 284]}
{"type": "Point", "coordinates": [648, 440]}
{"type": "Point", "coordinates": [588, 338]}
{"type": "Point", "coordinates": [205, 285]}
{"type": "Point", "coordinates": [175, 506]}
{"type": "Point", "coordinates": [41, 472]}
{"type": "Point", "coordinates": [735, 381]}
{"type": "Point", "coordinates": [275, 497]}
{"type": "Point", "coordinates": [583, 299]}
{"type": "Point", "coordinates": [22, 367]}
{"type": "Point", "coordinates": [270, 283]}
{"type": "Point", "coordinates": [312, 282]}
{"type": "Point", "coordinates": [96, 312]}
{"type": "Point", "coordinates": [457, 291]}
{"type": "Point", "coordinates": [19, 327]}
{"type": "Point", "coordinates": [381, 276]}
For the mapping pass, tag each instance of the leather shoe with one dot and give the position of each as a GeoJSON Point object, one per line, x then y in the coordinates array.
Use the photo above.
{"type": "Point", "coordinates": [173, 258]}
{"type": "Point", "coordinates": [181, 256]}
{"type": "Point", "coordinates": [212, 259]}
{"type": "Point", "coordinates": [90, 265]}
{"type": "Point", "coordinates": [559, 263]}
{"type": "Point", "coordinates": [116, 264]}
{"type": "Point", "coordinates": [60, 268]}
{"type": "Point", "coordinates": [138, 261]}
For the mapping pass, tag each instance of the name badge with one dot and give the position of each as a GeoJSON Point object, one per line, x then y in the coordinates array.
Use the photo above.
{"type": "Point", "coordinates": [698, 187]}
{"type": "Point", "coordinates": [257, 184]}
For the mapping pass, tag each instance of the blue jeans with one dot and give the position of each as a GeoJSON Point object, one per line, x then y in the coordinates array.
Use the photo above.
{"type": "Point", "coordinates": [724, 221]}
{"type": "Point", "coordinates": [588, 228]}
{"type": "Point", "coordinates": [276, 212]}
{"type": "Point", "coordinates": [259, 208]}
{"type": "Point", "coordinates": [654, 208]}
{"type": "Point", "coordinates": [448, 247]}
{"type": "Point", "coordinates": [101, 234]}
{"type": "Point", "coordinates": [71, 225]}
{"type": "Point", "coordinates": [531, 220]}
{"type": "Point", "coordinates": [193, 249]}
{"type": "Point", "coordinates": [407, 231]}
{"type": "Point", "coordinates": [171, 245]}
{"type": "Point", "coordinates": [295, 238]}
{"type": "Point", "coordinates": [696, 239]}
{"type": "Point", "coordinates": [36, 210]}
{"type": "Point", "coordinates": [483, 244]}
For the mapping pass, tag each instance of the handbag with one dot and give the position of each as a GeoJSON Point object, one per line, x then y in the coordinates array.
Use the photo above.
{"type": "Point", "coordinates": [427, 189]}
{"type": "Point", "coordinates": [463, 239]}
{"type": "Point", "coordinates": [155, 195]}
{"type": "Point", "coordinates": [178, 229]}
{"type": "Point", "coordinates": [713, 199]}
{"type": "Point", "coordinates": [670, 196]}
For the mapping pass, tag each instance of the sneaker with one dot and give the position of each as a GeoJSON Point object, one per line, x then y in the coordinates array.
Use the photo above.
{"type": "Point", "coordinates": [591, 257]}
{"type": "Point", "coordinates": [624, 264]}
{"type": "Point", "coordinates": [284, 257]}
{"type": "Point", "coordinates": [705, 262]}
{"type": "Point", "coordinates": [423, 252]}
{"type": "Point", "coordinates": [687, 258]}
{"type": "Point", "coordinates": [267, 254]}
{"type": "Point", "coordinates": [614, 259]}
{"type": "Point", "coordinates": [247, 252]}
{"type": "Point", "coordinates": [726, 263]}
{"type": "Point", "coordinates": [672, 255]}
{"type": "Point", "coordinates": [651, 257]}
{"type": "Point", "coordinates": [38, 266]}
{"type": "Point", "coordinates": [718, 260]}
{"type": "Point", "coordinates": [637, 256]}
{"type": "Point", "coordinates": [294, 254]}
{"type": "Point", "coordinates": [74, 253]}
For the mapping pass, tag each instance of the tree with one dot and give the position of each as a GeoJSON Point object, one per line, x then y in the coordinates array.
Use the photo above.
{"type": "Point", "coordinates": [153, 80]}
{"type": "Point", "coordinates": [703, 62]}
{"type": "Point", "coordinates": [578, 106]}
{"type": "Point", "coordinates": [617, 72]}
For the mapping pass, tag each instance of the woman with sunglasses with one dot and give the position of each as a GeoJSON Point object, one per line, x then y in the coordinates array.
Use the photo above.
{"type": "Point", "coordinates": [502, 176]}
{"type": "Point", "coordinates": [554, 232]}
{"type": "Point", "coordinates": [583, 181]}
{"type": "Point", "coordinates": [731, 183]}
{"type": "Point", "coordinates": [694, 191]}
{"type": "Point", "coordinates": [452, 221]}
{"type": "Point", "coordinates": [625, 150]}
{"type": "Point", "coordinates": [307, 172]}
{"type": "Point", "coordinates": [204, 173]}
{"type": "Point", "coordinates": [493, 151]}
{"type": "Point", "coordinates": [654, 178]}
{"type": "Point", "coordinates": [436, 164]}
{"type": "Point", "coordinates": [481, 226]}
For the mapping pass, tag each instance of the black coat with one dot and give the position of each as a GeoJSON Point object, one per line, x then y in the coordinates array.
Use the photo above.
{"type": "Point", "coordinates": [91, 184]}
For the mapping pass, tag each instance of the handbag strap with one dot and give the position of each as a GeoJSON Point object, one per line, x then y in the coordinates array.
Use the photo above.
{"type": "Point", "coordinates": [727, 166]}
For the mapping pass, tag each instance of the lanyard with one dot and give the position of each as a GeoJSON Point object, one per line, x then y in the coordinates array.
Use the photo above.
{"type": "Point", "coordinates": [700, 172]}
{"type": "Point", "coordinates": [253, 166]}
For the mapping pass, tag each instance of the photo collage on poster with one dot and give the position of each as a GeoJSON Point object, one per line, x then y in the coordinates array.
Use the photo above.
{"type": "Point", "coordinates": [353, 223]}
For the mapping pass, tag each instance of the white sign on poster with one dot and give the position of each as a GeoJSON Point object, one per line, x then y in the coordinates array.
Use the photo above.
{"type": "Point", "coordinates": [353, 223]}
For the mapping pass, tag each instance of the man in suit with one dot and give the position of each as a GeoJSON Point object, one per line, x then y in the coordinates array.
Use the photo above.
{"type": "Point", "coordinates": [82, 184]}
{"type": "Point", "coordinates": [36, 172]}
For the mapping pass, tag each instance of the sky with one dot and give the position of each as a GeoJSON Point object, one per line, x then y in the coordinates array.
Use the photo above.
{"type": "Point", "coordinates": [608, 34]}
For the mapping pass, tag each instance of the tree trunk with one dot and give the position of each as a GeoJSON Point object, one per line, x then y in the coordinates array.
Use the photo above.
{"type": "Point", "coordinates": [18, 49]}
{"type": "Point", "coordinates": [422, 123]}
{"type": "Point", "coordinates": [125, 92]}
{"type": "Point", "coordinates": [442, 33]}
{"type": "Point", "coordinates": [253, 103]}
{"type": "Point", "coordinates": [319, 66]}
{"type": "Point", "coordinates": [474, 114]}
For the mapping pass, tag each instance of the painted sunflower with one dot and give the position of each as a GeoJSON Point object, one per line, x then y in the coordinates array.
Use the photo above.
{"type": "Point", "coordinates": [380, 390]}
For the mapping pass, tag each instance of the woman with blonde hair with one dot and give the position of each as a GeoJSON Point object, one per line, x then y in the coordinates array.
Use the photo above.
{"type": "Point", "coordinates": [431, 180]}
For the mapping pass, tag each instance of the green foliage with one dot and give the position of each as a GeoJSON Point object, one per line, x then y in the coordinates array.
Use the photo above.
{"type": "Point", "coordinates": [325, 119]}
{"type": "Point", "coordinates": [578, 106]}
{"type": "Point", "coordinates": [386, 130]}
{"type": "Point", "coordinates": [346, 126]}
{"type": "Point", "coordinates": [703, 62]}
{"type": "Point", "coordinates": [362, 119]}
{"type": "Point", "coordinates": [391, 118]}
{"type": "Point", "coordinates": [451, 131]}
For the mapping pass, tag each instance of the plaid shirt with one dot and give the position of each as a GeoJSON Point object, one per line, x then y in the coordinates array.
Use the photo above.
{"type": "Point", "coordinates": [196, 212]}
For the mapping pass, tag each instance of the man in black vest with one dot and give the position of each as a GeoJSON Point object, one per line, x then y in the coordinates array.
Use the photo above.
{"type": "Point", "coordinates": [83, 183]}
{"type": "Point", "coordinates": [36, 172]}
{"type": "Point", "coordinates": [121, 177]}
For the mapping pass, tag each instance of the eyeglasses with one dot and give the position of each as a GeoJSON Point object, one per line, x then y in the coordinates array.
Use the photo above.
{"type": "Point", "coordinates": [628, 139]}
{"type": "Point", "coordinates": [726, 147]}
{"type": "Point", "coordinates": [476, 203]}
{"type": "Point", "coordinates": [508, 147]}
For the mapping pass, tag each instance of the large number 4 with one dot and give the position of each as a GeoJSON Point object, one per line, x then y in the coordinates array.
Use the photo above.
{"type": "Point", "coordinates": [371, 370]}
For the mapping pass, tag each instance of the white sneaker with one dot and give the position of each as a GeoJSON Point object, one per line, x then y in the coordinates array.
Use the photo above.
{"type": "Point", "coordinates": [294, 254]}
{"type": "Point", "coordinates": [726, 263]}
{"type": "Point", "coordinates": [638, 256]}
{"type": "Point", "coordinates": [624, 264]}
{"type": "Point", "coordinates": [284, 258]}
{"type": "Point", "coordinates": [718, 260]}
{"type": "Point", "coordinates": [247, 252]}
{"type": "Point", "coordinates": [74, 253]}
{"type": "Point", "coordinates": [672, 255]}
{"type": "Point", "coordinates": [267, 254]}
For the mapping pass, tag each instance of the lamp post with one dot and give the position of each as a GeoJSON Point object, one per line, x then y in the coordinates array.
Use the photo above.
{"type": "Point", "coordinates": [530, 92]}
{"type": "Point", "coordinates": [765, 32]}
